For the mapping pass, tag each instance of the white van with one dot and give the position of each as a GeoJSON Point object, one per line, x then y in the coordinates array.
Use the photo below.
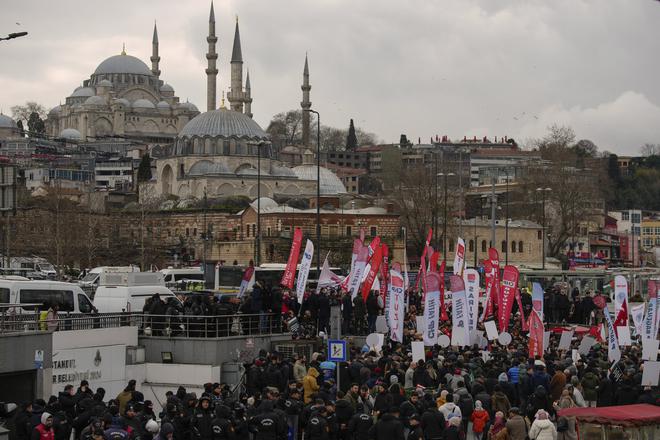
{"type": "Point", "coordinates": [92, 278]}
{"type": "Point", "coordinates": [173, 276]}
{"type": "Point", "coordinates": [117, 299]}
{"type": "Point", "coordinates": [68, 296]}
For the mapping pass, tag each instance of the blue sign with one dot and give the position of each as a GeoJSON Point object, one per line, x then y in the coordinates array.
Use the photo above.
{"type": "Point", "coordinates": [337, 351]}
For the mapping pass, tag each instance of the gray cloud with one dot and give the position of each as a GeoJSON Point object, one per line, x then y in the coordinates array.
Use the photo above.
{"type": "Point", "coordinates": [421, 67]}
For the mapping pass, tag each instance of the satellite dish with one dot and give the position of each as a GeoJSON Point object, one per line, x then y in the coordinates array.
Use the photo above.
{"type": "Point", "coordinates": [443, 341]}
{"type": "Point", "coordinates": [504, 338]}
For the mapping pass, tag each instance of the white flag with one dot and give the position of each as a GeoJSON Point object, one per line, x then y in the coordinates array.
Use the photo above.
{"type": "Point", "coordinates": [460, 334]}
{"type": "Point", "coordinates": [303, 272]}
{"type": "Point", "coordinates": [395, 312]}
{"type": "Point", "coordinates": [620, 294]}
{"type": "Point", "coordinates": [459, 257]}
{"type": "Point", "coordinates": [432, 309]}
{"type": "Point", "coordinates": [637, 313]}
{"type": "Point", "coordinates": [613, 350]}
{"type": "Point", "coordinates": [471, 280]}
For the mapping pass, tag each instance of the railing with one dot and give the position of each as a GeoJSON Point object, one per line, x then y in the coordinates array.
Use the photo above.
{"type": "Point", "coordinates": [187, 326]}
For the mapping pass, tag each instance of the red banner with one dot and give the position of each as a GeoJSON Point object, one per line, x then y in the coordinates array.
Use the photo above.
{"type": "Point", "coordinates": [289, 274]}
{"type": "Point", "coordinates": [376, 259]}
{"type": "Point", "coordinates": [488, 306]}
{"type": "Point", "coordinates": [509, 287]}
{"type": "Point", "coordinates": [535, 335]}
{"type": "Point", "coordinates": [384, 272]}
{"type": "Point", "coordinates": [433, 267]}
{"type": "Point", "coordinates": [374, 245]}
{"type": "Point", "coordinates": [523, 322]}
{"type": "Point", "coordinates": [496, 291]}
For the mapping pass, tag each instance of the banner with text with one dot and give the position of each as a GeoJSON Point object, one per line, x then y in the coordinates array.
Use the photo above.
{"type": "Point", "coordinates": [459, 257]}
{"type": "Point", "coordinates": [509, 287]}
{"type": "Point", "coordinates": [303, 273]}
{"type": "Point", "coordinates": [290, 271]}
{"type": "Point", "coordinates": [396, 311]}
{"type": "Point", "coordinates": [471, 280]}
{"type": "Point", "coordinates": [431, 308]}
{"type": "Point", "coordinates": [460, 333]}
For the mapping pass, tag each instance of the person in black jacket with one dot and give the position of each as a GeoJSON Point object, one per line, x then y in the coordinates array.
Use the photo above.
{"type": "Point", "coordinates": [61, 423]}
{"type": "Point", "coordinates": [22, 421]}
{"type": "Point", "coordinates": [346, 314]}
{"type": "Point", "coordinates": [201, 420]}
{"type": "Point", "coordinates": [221, 424]}
{"type": "Point", "coordinates": [324, 312]}
{"type": "Point", "coordinates": [432, 423]}
{"type": "Point", "coordinates": [317, 426]}
{"type": "Point", "coordinates": [69, 399]}
{"type": "Point", "coordinates": [360, 424]}
{"type": "Point", "coordinates": [269, 424]}
{"type": "Point", "coordinates": [372, 310]}
{"type": "Point", "coordinates": [388, 427]}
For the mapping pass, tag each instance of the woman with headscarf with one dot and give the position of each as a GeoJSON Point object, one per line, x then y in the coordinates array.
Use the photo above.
{"type": "Point", "coordinates": [565, 425]}
{"type": "Point", "coordinates": [542, 428]}
{"type": "Point", "coordinates": [479, 418]}
{"type": "Point", "coordinates": [454, 429]}
{"type": "Point", "coordinates": [442, 399]}
{"type": "Point", "coordinates": [498, 429]}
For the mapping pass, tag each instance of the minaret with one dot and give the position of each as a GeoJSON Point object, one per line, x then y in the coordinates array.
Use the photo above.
{"type": "Point", "coordinates": [306, 104]}
{"type": "Point", "coordinates": [155, 59]}
{"type": "Point", "coordinates": [211, 70]}
{"type": "Point", "coordinates": [235, 95]}
{"type": "Point", "coordinates": [248, 95]}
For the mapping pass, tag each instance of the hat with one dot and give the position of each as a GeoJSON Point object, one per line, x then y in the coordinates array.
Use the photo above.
{"type": "Point", "coordinates": [45, 416]}
{"type": "Point", "coordinates": [503, 378]}
{"type": "Point", "coordinates": [152, 426]}
{"type": "Point", "coordinates": [478, 405]}
{"type": "Point", "coordinates": [457, 371]}
{"type": "Point", "coordinates": [539, 363]}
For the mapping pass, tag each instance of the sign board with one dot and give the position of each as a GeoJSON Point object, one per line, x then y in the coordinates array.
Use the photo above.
{"type": "Point", "coordinates": [103, 366]}
{"type": "Point", "coordinates": [39, 359]}
{"type": "Point", "coordinates": [565, 340]}
{"type": "Point", "coordinates": [336, 350]}
{"type": "Point", "coordinates": [417, 350]}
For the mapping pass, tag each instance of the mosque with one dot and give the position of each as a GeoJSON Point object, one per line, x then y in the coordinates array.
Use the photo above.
{"type": "Point", "coordinates": [224, 152]}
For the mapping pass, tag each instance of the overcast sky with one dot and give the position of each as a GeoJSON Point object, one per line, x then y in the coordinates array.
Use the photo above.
{"type": "Point", "coordinates": [420, 67]}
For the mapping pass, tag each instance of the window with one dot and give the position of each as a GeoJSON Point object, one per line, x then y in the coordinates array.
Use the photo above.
{"type": "Point", "coordinates": [4, 295]}
{"type": "Point", "coordinates": [83, 304]}
{"type": "Point", "coordinates": [483, 246]}
{"type": "Point", "coordinates": [349, 231]}
{"type": "Point", "coordinates": [187, 232]}
{"type": "Point", "coordinates": [657, 230]}
{"type": "Point", "coordinates": [471, 246]}
{"type": "Point", "coordinates": [194, 232]}
{"type": "Point", "coordinates": [513, 247]}
{"type": "Point", "coordinates": [373, 231]}
{"type": "Point", "coordinates": [254, 230]}
{"type": "Point", "coordinates": [657, 241]}
{"type": "Point", "coordinates": [64, 298]}
{"type": "Point", "coordinates": [520, 246]}
{"type": "Point", "coordinates": [268, 231]}
{"type": "Point", "coordinates": [625, 215]}
{"type": "Point", "coordinates": [635, 218]}
{"type": "Point", "coordinates": [503, 246]}
{"type": "Point", "coordinates": [539, 234]}
{"type": "Point", "coordinates": [247, 231]}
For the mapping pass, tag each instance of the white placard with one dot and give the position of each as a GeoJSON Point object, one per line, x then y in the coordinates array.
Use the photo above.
{"type": "Point", "coordinates": [565, 340]}
{"type": "Point", "coordinates": [419, 320]}
{"type": "Point", "coordinates": [417, 351]}
{"type": "Point", "coordinates": [651, 373]}
{"type": "Point", "coordinates": [650, 349]}
{"type": "Point", "coordinates": [546, 341]}
{"type": "Point", "coordinates": [381, 324]}
{"type": "Point", "coordinates": [504, 338]}
{"type": "Point", "coordinates": [585, 345]}
{"type": "Point", "coordinates": [372, 340]}
{"type": "Point", "coordinates": [491, 330]}
{"type": "Point", "coordinates": [381, 340]}
{"type": "Point", "coordinates": [459, 339]}
{"type": "Point", "coordinates": [475, 337]}
{"type": "Point", "coordinates": [443, 340]}
{"type": "Point", "coordinates": [485, 355]}
{"type": "Point", "coordinates": [623, 332]}
{"type": "Point", "coordinates": [575, 356]}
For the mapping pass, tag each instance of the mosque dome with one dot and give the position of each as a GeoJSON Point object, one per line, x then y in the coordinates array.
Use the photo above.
{"type": "Point", "coordinates": [264, 203]}
{"type": "Point", "coordinates": [330, 183]}
{"type": "Point", "coordinates": [123, 101]}
{"type": "Point", "coordinates": [104, 83]}
{"type": "Point", "coordinates": [123, 64]}
{"type": "Point", "coordinates": [166, 88]}
{"type": "Point", "coordinates": [143, 103]}
{"type": "Point", "coordinates": [250, 171]}
{"type": "Point", "coordinates": [223, 123]}
{"type": "Point", "coordinates": [95, 100]}
{"type": "Point", "coordinates": [7, 122]}
{"type": "Point", "coordinates": [83, 91]}
{"type": "Point", "coordinates": [206, 167]}
{"type": "Point", "coordinates": [55, 110]}
{"type": "Point", "coordinates": [188, 106]}
{"type": "Point", "coordinates": [70, 133]}
{"type": "Point", "coordinates": [280, 171]}
{"type": "Point", "coordinates": [163, 105]}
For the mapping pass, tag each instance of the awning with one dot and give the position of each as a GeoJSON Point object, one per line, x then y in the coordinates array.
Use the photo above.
{"type": "Point", "coordinates": [624, 415]}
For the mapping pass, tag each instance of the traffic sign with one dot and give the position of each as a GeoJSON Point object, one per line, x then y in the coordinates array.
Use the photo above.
{"type": "Point", "coordinates": [337, 350]}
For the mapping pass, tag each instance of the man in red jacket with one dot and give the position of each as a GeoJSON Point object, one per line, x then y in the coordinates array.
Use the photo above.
{"type": "Point", "coordinates": [44, 430]}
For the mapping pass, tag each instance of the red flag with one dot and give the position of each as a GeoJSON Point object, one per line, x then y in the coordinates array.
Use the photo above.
{"type": "Point", "coordinates": [376, 259]}
{"type": "Point", "coordinates": [523, 322]}
{"type": "Point", "coordinates": [384, 272]}
{"type": "Point", "coordinates": [509, 287]}
{"type": "Point", "coordinates": [373, 245]}
{"type": "Point", "coordinates": [443, 307]}
{"type": "Point", "coordinates": [434, 261]}
{"type": "Point", "coordinates": [535, 334]}
{"type": "Point", "coordinates": [496, 291]}
{"type": "Point", "coordinates": [488, 306]}
{"type": "Point", "coordinates": [290, 271]}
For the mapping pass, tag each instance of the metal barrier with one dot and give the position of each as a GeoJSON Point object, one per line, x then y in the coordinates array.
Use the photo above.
{"type": "Point", "coordinates": [187, 326]}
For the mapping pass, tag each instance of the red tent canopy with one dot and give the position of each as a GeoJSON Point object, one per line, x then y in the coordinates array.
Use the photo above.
{"type": "Point", "coordinates": [624, 415]}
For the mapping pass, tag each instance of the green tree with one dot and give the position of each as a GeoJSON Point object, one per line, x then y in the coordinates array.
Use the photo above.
{"type": "Point", "coordinates": [21, 130]}
{"type": "Point", "coordinates": [351, 138]}
{"type": "Point", "coordinates": [36, 126]}
{"type": "Point", "coordinates": [144, 170]}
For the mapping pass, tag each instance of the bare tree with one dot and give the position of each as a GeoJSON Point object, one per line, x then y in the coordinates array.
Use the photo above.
{"type": "Point", "coordinates": [650, 150]}
{"type": "Point", "coordinates": [23, 112]}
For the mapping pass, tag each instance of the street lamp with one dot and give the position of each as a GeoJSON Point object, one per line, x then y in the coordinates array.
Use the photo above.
{"type": "Point", "coordinates": [444, 226]}
{"type": "Point", "coordinates": [13, 35]}
{"type": "Point", "coordinates": [543, 192]}
{"type": "Point", "coordinates": [318, 190]}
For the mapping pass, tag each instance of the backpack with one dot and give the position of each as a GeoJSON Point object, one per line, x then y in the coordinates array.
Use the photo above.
{"type": "Point", "coordinates": [466, 404]}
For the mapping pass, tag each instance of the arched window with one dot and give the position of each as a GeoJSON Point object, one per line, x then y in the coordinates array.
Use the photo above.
{"type": "Point", "coordinates": [471, 245]}
{"type": "Point", "coordinates": [451, 245]}
{"type": "Point", "coordinates": [503, 246]}
{"type": "Point", "coordinates": [520, 246]}
{"type": "Point", "coordinates": [513, 247]}
{"type": "Point", "coordinates": [483, 246]}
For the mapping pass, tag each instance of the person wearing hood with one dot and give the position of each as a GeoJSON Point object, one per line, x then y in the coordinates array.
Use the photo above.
{"type": "Point", "coordinates": [38, 408]}
{"type": "Point", "coordinates": [343, 413]}
{"type": "Point", "coordinates": [590, 386]}
{"type": "Point", "coordinates": [454, 430]}
{"type": "Point", "coordinates": [538, 401]}
{"type": "Point", "coordinates": [221, 424]}
{"type": "Point", "coordinates": [479, 420]}
{"type": "Point", "coordinates": [115, 428]}
{"type": "Point", "coordinates": [166, 432]}
{"type": "Point", "coordinates": [498, 430]}
{"type": "Point", "coordinates": [201, 420]}
{"type": "Point", "coordinates": [310, 384]}
{"type": "Point", "coordinates": [542, 428]}
{"type": "Point", "coordinates": [44, 430]}
{"type": "Point", "coordinates": [268, 424]}
{"type": "Point", "coordinates": [61, 424]}
{"type": "Point", "coordinates": [499, 401]}
{"type": "Point", "coordinates": [517, 425]}
{"type": "Point", "coordinates": [388, 426]}
{"type": "Point", "coordinates": [133, 422]}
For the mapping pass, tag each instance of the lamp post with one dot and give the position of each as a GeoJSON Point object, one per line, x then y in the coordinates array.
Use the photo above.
{"type": "Point", "coordinates": [444, 226]}
{"type": "Point", "coordinates": [318, 191]}
{"type": "Point", "coordinates": [543, 192]}
{"type": "Point", "coordinates": [257, 239]}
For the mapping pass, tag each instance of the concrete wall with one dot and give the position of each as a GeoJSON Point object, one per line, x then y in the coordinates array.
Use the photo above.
{"type": "Point", "coordinates": [21, 380]}
{"type": "Point", "coordinates": [207, 351]}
